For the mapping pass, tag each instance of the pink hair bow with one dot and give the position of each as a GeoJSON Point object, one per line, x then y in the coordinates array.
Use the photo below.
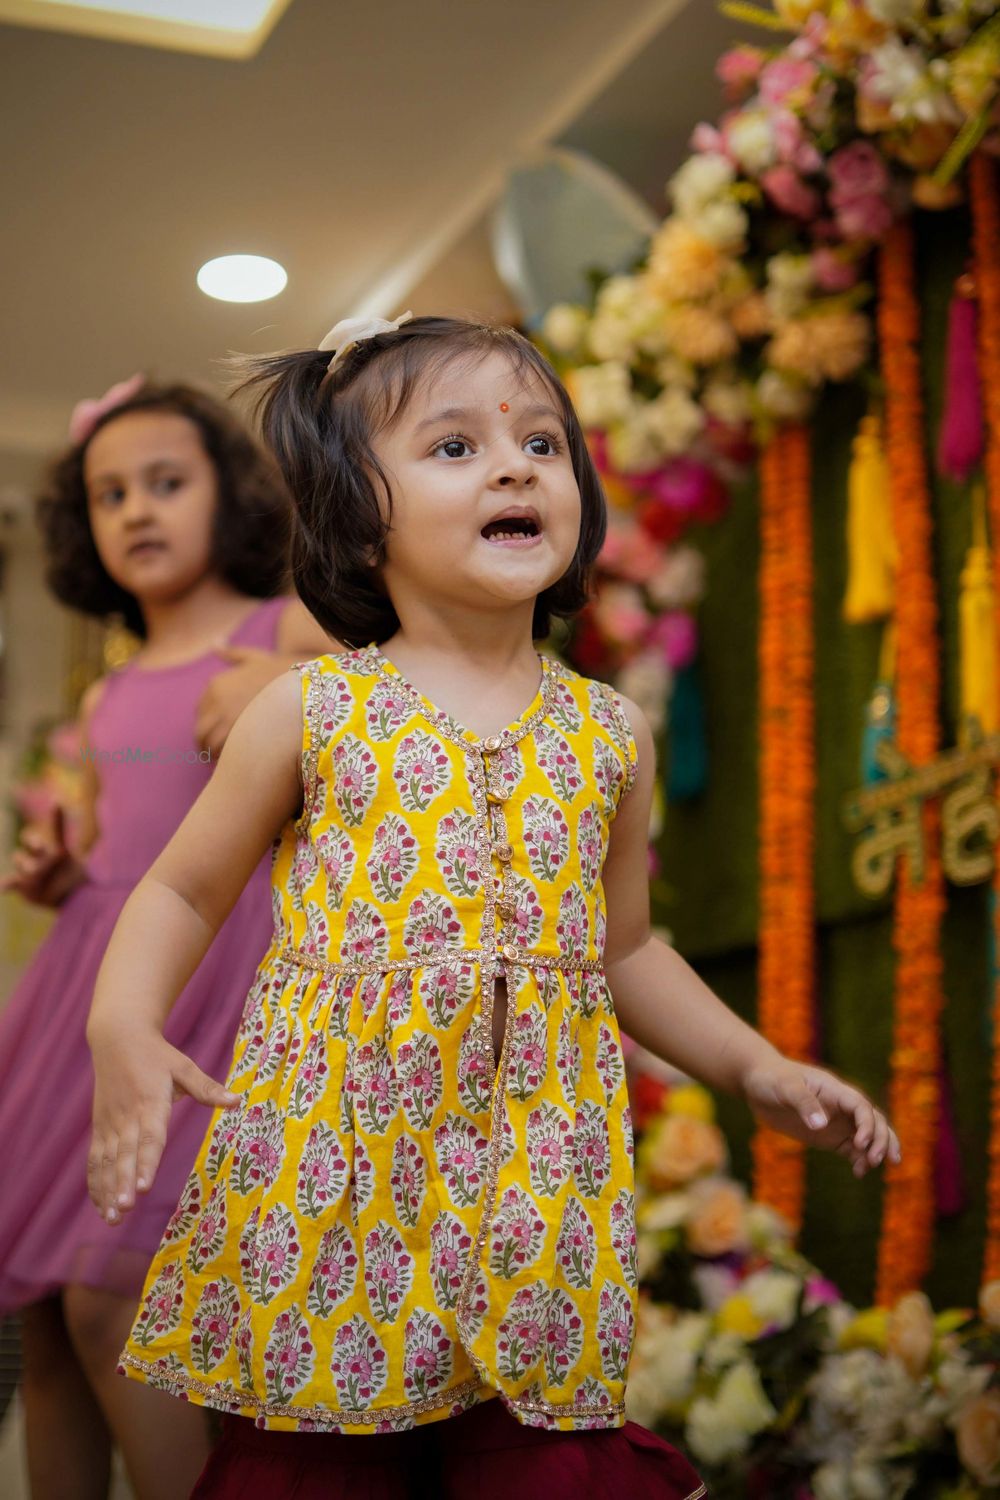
{"type": "Point", "coordinates": [86, 414]}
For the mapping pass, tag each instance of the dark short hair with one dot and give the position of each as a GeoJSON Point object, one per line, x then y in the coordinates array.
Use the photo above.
{"type": "Point", "coordinates": [320, 425]}
{"type": "Point", "coordinates": [251, 537]}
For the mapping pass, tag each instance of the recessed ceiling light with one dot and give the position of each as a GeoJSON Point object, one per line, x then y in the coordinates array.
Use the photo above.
{"type": "Point", "coordinates": [242, 278]}
{"type": "Point", "coordinates": [224, 28]}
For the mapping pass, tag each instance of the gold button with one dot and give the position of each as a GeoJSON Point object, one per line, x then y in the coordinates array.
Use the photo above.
{"type": "Point", "coordinates": [491, 744]}
{"type": "Point", "coordinates": [507, 909]}
{"type": "Point", "coordinates": [497, 793]}
{"type": "Point", "coordinates": [504, 853]}
{"type": "Point", "coordinates": [511, 953]}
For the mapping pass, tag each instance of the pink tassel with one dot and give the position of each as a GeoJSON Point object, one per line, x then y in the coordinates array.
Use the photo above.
{"type": "Point", "coordinates": [949, 1185]}
{"type": "Point", "coordinates": [960, 440]}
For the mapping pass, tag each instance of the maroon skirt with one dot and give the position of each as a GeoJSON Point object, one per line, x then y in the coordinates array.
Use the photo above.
{"type": "Point", "coordinates": [485, 1452]}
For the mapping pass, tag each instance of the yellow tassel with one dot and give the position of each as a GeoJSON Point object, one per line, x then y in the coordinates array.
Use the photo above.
{"type": "Point", "coordinates": [871, 546]}
{"type": "Point", "coordinates": [977, 629]}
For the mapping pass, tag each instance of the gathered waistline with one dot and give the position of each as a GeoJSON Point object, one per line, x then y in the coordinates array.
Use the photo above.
{"type": "Point", "coordinates": [505, 955]}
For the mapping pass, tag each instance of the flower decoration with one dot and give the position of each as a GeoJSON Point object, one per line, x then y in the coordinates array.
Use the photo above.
{"type": "Point", "coordinates": [755, 290]}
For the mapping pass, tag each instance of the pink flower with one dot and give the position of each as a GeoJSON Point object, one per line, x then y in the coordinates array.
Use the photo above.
{"type": "Point", "coordinates": [738, 70]}
{"type": "Point", "coordinates": [820, 1293]}
{"type": "Point", "coordinates": [707, 138]}
{"type": "Point", "coordinates": [684, 486]}
{"type": "Point", "coordinates": [787, 80]}
{"type": "Point", "coordinates": [789, 193]}
{"type": "Point", "coordinates": [863, 218]}
{"type": "Point", "coordinates": [676, 635]}
{"type": "Point", "coordinates": [857, 171]}
{"type": "Point", "coordinates": [833, 272]}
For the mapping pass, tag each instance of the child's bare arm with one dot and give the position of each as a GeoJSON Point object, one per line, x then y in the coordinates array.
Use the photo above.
{"type": "Point", "coordinates": [661, 1002]}
{"type": "Point", "coordinates": [164, 931]}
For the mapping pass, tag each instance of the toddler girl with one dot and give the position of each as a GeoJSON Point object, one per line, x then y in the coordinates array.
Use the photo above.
{"type": "Point", "coordinates": [417, 1195]}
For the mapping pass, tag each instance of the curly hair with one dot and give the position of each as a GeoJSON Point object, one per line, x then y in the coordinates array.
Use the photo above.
{"type": "Point", "coordinates": [321, 424]}
{"type": "Point", "coordinates": [252, 527]}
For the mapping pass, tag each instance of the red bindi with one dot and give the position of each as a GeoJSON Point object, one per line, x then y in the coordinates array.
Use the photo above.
{"type": "Point", "coordinates": [504, 406]}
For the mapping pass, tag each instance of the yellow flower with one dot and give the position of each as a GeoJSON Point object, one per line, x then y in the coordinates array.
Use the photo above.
{"type": "Point", "coordinates": [827, 346]}
{"type": "Point", "coordinates": [751, 317]}
{"type": "Point", "coordinates": [678, 1148]}
{"type": "Point", "coordinates": [682, 263]}
{"type": "Point", "coordinates": [797, 12]}
{"type": "Point", "coordinates": [989, 1304]}
{"type": "Point", "coordinates": [910, 1333]}
{"type": "Point", "coordinates": [692, 1099]}
{"type": "Point", "coordinates": [699, 335]}
{"type": "Point", "coordinates": [978, 1434]}
{"type": "Point", "coordinates": [717, 1222]}
{"type": "Point", "coordinates": [869, 1330]}
{"type": "Point", "coordinates": [736, 1315]}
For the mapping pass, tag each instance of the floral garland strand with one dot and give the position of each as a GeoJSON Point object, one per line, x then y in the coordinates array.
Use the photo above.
{"type": "Point", "coordinates": [908, 1208]}
{"type": "Point", "coordinates": [986, 250]}
{"type": "Point", "coordinates": [786, 971]}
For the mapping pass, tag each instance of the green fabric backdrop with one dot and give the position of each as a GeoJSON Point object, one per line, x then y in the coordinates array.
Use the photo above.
{"type": "Point", "coordinates": [707, 895]}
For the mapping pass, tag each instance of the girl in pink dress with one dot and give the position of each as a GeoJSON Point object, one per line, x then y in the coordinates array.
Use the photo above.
{"type": "Point", "coordinates": [163, 510]}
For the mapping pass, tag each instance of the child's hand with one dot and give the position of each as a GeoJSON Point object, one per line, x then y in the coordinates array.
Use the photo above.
{"type": "Point", "coordinates": [137, 1077]}
{"type": "Point", "coordinates": [229, 692]}
{"type": "Point", "coordinates": [814, 1106]}
{"type": "Point", "coordinates": [44, 872]}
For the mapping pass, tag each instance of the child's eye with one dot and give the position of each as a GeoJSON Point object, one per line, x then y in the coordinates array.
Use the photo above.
{"type": "Point", "coordinates": [549, 441]}
{"type": "Point", "coordinates": [448, 445]}
{"type": "Point", "coordinates": [109, 497]}
{"type": "Point", "coordinates": [166, 484]}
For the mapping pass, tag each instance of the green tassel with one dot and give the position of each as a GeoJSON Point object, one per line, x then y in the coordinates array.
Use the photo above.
{"type": "Point", "coordinates": [687, 777]}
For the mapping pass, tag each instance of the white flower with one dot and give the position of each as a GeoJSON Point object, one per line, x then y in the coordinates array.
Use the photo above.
{"type": "Point", "coordinates": [774, 1296]}
{"type": "Point", "coordinates": [723, 223]}
{"type": "Point", "coordinates": [728, 400]}
{"type": "Point", "coordinates": [721, 1427]}
{"type": "Point", "coordinates": [647, 679]}
{"type": "Point", "coordinates": [750, 137]}
{"type": "Point", "coordinates": [565, 326]}
{"type": "Point", "coordinates": [672, 370]}
{"type": "Point", "coordinates": [782, 397]}
{"type": "Point", "coordinates": [664, 1362]}
{"type": "Point", "coordinates": [832, 1482]}
{"type": "Point", "coordinates": [680, 580]}
{"type": "Point", "coordinates": [702, 178]}
{"type": "Point", "coordinates": [632, 446]}
{"type": "Point", "coordinates": [768, 1230]}
{"type": "Point", "coordinates": [674, 420]}
{"type": "Point", "coordinates": [602, 394]}
{"type": "Point", "coordinates": [723, 1350]}
{"type": "Point", "coordinates": [790, 280]}
{"type": "Point", "coordinates": [901, 77]}
{"type": "Point", "coordinates": [627, 318]}
{"type": "Point", "coordinates": [857, 1481]}
{"type": "Point", "coordinates": [668, 1211]}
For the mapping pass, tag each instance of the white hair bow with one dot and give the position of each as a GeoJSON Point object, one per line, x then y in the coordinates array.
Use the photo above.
{"type": "Point", "coordinates": [350, 331]}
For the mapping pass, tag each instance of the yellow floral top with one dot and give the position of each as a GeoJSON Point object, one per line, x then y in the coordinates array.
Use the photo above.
{"type": "Point", "coordinates": [391, 1227]}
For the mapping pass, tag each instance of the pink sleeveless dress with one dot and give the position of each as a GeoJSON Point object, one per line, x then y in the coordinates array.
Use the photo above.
{"type": "Point", "coordinates": [50, 1234]}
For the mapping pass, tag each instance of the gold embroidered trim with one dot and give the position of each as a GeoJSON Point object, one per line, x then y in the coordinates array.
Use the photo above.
{"type": "Point", "coordinates": [584, 1409]}
{"type": "Point", "coordinates": [226, 1397]}
{"type": "Point", "coordinates": [697, 1494]}
{"type": "Point", "coordinates": [449, 959]}
{"type": "Point", "coordinates": [311, 673]}
{"type": "Point", "coordinates": [623, 734]}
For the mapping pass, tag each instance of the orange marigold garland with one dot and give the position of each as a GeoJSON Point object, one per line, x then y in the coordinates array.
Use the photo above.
{"type": "Point", "coordinates": [986, 249]}
{"type": "Point", "coordinates": [908, 1208]}
{"type": "Point", "coordinates": [786, 969]}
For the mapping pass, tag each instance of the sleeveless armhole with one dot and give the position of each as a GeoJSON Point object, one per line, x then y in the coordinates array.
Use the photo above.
{"type": "Point", "coordinates": [623, 737]}
{"type": "Point", "coordinates": [309, 675]}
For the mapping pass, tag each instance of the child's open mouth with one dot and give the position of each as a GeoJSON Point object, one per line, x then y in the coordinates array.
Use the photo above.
{"type": "Point", "coordinates": [512, 531]}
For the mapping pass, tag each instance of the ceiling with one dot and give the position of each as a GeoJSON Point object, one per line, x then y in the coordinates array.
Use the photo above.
{"type": "Point", "coordinates": [362, 147]}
